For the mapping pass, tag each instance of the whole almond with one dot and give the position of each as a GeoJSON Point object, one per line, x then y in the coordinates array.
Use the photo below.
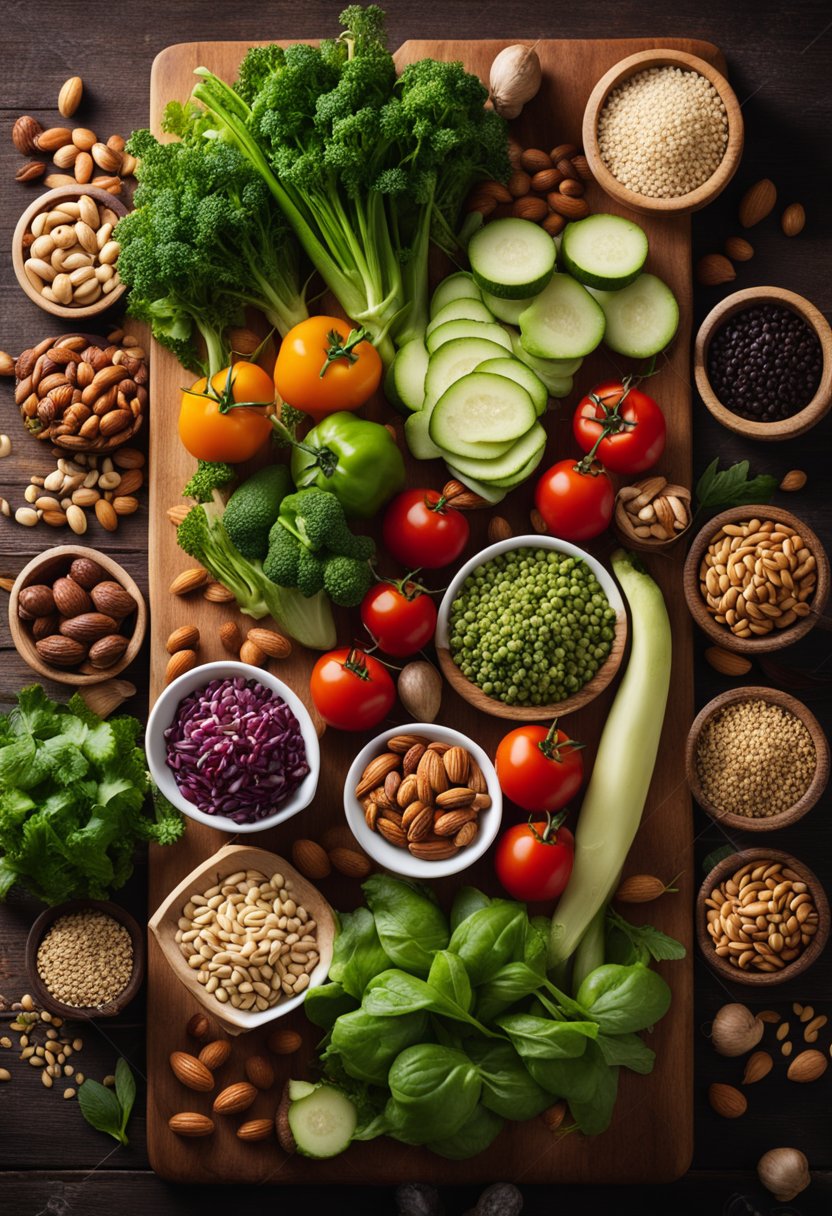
{"type": "Point", "coordinates": [108, 650]}
{"type": "Point", "coordinates": [188, 581]}
{"type": "Point", "coordinates": [554, 1116]}
{"type": "Point", "coordinates": [467, 834]}
{"type": "Point", "coordinates": [231, 637]}
{"type": "Point", "coordinates": [88, 626]}
{"type": "Point", "coordinates": [259, 1071]}
{"type": "Point", "coordinates": [456, 762]}
{"type": "Point", "coordinates": [376, 771]}
{"type": "Point", "coordinates": [69, 98]}
{"type": "Point", "coordinates": [758, 1065]}
{"type": "Point", "coordinates": [284, 1042]}
{"type": "Point", "coordinates": [270, 642]}
{"type": "Point", "coordinates": [738, 249]}
{"type": "Point", "coordinates": [476, 779]}
{"type": "Point", "coordinates": [252, 654]}
{"type": "Point", "coordinates": [757, 202]}
{"type": "Point", "coordinates": [419, 824]}
{"type": "Point", "coordinates": [457, 798]}
{"type": "Point", "coordinates": [495, 190]}
{"type": "Point", "coordinates": [65, 156]}
{"type": "Point", "coordinates": [807, 1066]}
{"type": "Point", "coordinates": [59, 651]}
{"type": "Point", "coordinates": [106, 516]}
{"type": "Point", "coordinates": [563, 152]}
{"type": "Point", "coordinates": [794, 480]}
{"type": "Point", "coordinates": [87, 573]}
{"type": "Point", "coordinates": [571, 188]}
{"type": "Point", "coordinates": [581, 166]}
{"type": "Point", "coordinates": [793, 221]}
{"type": "Point", "coordinates": [191, 1124]}
{"type": "Point", "coordinates": [84, 138]}
{"type": "Point", "coordinates": [131, 481]}
{"type": "Point", "coordinates": [408, 790]}
{"type": "Point", "coordinates": [83, 168]}
{"type": "Point", "coordinates": [25, 133]}
{"type": "Point", "coordinates": [70, 598]}
{"type": "Point", "coordinates": [214, 1055]}
{"type": "Point", "coordinates": [125, 504]}
{"type": "Point", "coordinates": [178, 664]}
{"type": "Point", "coordinates": [519, 183]}
{"type": "Point", "coordinates": [110, 597]}
{"type": "Point", "coordinates": [198, 1027]}
{"type": "Point", "coordinates": [533, 160]}
{"type": "Point", "coordinates": [310, 859]}
{"type": "Point", "coordinates": [727, 1101]}
{"type": "Point", "coordinates": [215, 593]}
{"type": "Point", "coordinates": [31, 171]}
{"type": "Point", "coordinates": [449, 823]}
{"type": "Point", "coordinates": [459, 496]}
{"type": "Point", "coordinates": [499, 529]}
{"type": "Point", "coordinates": [256, 1129]}
{"type": "Point", "coordinates": [529, 208]}
{"type": "Point", "coordinates": [129, 458]}
{"type": "Point", "coordinates": [432, 767]}
{"type": "Point", "coordinates": [234, 1098]}
{"type": "Point", "coordinates": [191, 1072]}
{"type": "Point", "coordinates": [432, 850]}
{"type": "Point", "coordinates": [411, 758]}
{"type": "Point", "coordinates": [570, 208]}
{"type": "Point", "coordinates": [726, 662]}
{"type": "Point", "coordinates": [35, 600]}
{"type": "Point", "coordinates": [350, 862]}
{"type": "Point", "coordinates": [546, 180]}
{"type": "Point", "coordinates": [53, 138]}
{"type": "Point", "coordinates": [107, 159]}
{"type": "Point", "coordinates": [714, 269]}
{"type": "Point", "coordinates": [186, 637]}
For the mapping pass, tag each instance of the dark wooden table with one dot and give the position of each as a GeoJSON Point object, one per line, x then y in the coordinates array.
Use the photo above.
{"type": "Point", "coordinates": [778, 56]}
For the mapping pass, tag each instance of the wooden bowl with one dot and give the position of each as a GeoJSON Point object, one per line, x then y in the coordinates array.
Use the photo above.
{"type": "Point", "coordinates": [768, 823]}
{"type": "Point", "coordinates": [721, 634]}
{"type": "Point", "coordinates": [165, 922]}
{"type": "Point", "coordinates": [44, 997]}
{"type": "Point", "coordinates": [47, 202]}
{"type": "Point", "coordinates": [812, 412]}
{"type": "Point", "coordinates": [643, 203]}
{"type": "Point", "coordinates": [45, 568]}
{"type": "Point", "coordinates": [761, 979]}
{"type": "Point", "coordinates": [531, 713]}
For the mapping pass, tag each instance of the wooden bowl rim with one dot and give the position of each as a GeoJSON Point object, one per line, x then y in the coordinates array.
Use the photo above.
{"type": "Point", "coordinates": [820, 777]}
{"type": "Point", "coordinates": [805, 960]}
{"type": "Point", "coordinates": [812, 412]}
{"type": "Point", "coordinates": [46, 202]}
{"type": "Point", "coordinates": [719, 179]}
{"type": "Point", "coordinates": [719, 633]}
{"type": "Point", "coordinates": [25, 646]}
{"type": "Point", "coordinates": [226, 860]}
{"type": "Point", "coordinates": [36, 934]}
{"type": "Point", "coordinates": [532, 713]}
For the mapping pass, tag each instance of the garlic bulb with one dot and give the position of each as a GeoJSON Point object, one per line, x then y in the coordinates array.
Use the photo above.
{"type": "Point", "coordinates": [735, 1030]}
{"type": "Point", "coordinates": [515, 78]}
{"type": "Point", "coordinates": [784, 1172]}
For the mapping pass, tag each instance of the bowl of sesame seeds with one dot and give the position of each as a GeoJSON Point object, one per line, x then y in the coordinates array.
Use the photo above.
{"type": "Point", "coordinates": [663, 132]}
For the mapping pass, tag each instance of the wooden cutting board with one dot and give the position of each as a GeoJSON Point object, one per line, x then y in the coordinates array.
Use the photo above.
{"type": "Point", "coordinates": [651, 1137]}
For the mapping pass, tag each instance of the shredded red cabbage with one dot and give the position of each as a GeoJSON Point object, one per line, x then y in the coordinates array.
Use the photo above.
{"type": "Point", "coordinates": [235, 749]}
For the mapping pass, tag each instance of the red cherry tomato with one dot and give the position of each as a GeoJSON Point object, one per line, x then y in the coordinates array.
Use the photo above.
{"type": "Point", "coordinates": [534, 860]}
{"type": "Point", "coordinates": [400, 617]}
{"type": "Point", "coordinates": [626, 425]}
{"type": "Point", "coordinates": [539, 769]}
{"type": "Point", "coordinates": [422, 532]}
{"type": "Point", "coordinates": [351, 690]}
{"type": "Point", "coordinates": [576, 502]}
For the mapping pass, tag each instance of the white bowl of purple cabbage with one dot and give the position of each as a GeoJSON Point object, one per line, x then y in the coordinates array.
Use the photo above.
{"type": "Point", "coordinates": [233, 747]}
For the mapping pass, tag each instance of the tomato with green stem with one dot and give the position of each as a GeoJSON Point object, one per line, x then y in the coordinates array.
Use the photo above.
{"type": "Point", "coordinates": [400, 617]}
{"type": "Point", "coordinates": [622, 426]}
{"type": "Point", "coordinates": [575, 499]}
{"type": "Point", "coordinates": [351, 690]}
{"type": "Point", "coordinates": [227, 420]}
{"type": "Point", "coordinates": [539, 768]}
{"type": "Point", "coordinates": [325, 365]}
{"type": "Point", "coordinates": [422, 531]}
{"type": "Point", "coordinates": [534, 860]}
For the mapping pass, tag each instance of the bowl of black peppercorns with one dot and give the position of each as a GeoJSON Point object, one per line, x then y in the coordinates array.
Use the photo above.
{"type": "Point", "coordinates": [763, 363]}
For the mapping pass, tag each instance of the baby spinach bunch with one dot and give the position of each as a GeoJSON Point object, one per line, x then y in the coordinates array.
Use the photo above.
{"type": "Point", "coordinates": [441, 1029]}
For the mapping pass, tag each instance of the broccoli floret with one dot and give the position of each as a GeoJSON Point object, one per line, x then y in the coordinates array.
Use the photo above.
{"type": "Point", "coordinates": [347, 580]}
{"type": "Point", "coordinates": [314, 516]}
{"type": "Point", "coordinates": [311, 567]}
{"type": "Point", "coordinates": [260, 62]}
{"type": "Point", "coordinates": [281, 564]}
{"type": "Point", "coordinates": [252, 509]}
{"type": "Point", "coordinates": [209, 476]}
{"type": "Point", "coordinates": [344, 544]}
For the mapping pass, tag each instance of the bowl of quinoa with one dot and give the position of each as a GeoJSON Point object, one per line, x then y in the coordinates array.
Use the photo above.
{"type": "Point", "coordinates": [663, 132]}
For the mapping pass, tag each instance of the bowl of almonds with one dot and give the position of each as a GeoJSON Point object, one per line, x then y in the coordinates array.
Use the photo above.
{"type": "Point", "coordinates": [76, 616]}
{"type": "Point", "coordinates": [63, 251]}
{"type": "Point", "coordinates": [423, 800]}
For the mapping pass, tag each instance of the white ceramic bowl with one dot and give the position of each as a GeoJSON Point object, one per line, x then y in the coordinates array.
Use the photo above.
{"type": "Point", "coordinates": [400, 861]}
{"type": "Point", "coordinates": [164, 712]}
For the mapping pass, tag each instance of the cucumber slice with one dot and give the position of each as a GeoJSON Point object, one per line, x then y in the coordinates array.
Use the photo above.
{"type": "Point", "coordinates": [459, 286]}
{"type": "Point", "coordinates": [479, 413]}
{"type": "Point", "coordinates": [604, 251]}
{"type": "Point", "coordinates": [417, 436]}
{"type": "Point", "coordinates": [404, 384]}
{"type": "Point", "coordinates": [322, 1123]}
{"type": "Point", "coordinates": [300, 1089]}
{"type": "Point", "coordinates": [564, 322]}
{"type": "Point", "coordinates": [547, 369]}
{"type": "Point", "coordinates": [460, 310]}
{"type": "Point", "coordinates": [492, 494]}
{"type": "Point", "coordinates": [506, 310]}
{"type": "Point", "coordinates": [519, 455]}
{"type": "Point", "coordinates": [642, 319]}
{"type": "Point", "coordinates": [512, 258]}
{"type": "Point", "coordinates": [456, 359]}
{"type": "Point", "coordinates": [491, 331]}
{"type": "Point", "coordinates": [516, 479]}
{"type": "Point", "coordinates": [514, 370]}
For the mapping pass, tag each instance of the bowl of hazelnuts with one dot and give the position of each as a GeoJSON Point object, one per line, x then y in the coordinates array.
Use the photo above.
{"type": "Point", "coordinates": [76, 616]}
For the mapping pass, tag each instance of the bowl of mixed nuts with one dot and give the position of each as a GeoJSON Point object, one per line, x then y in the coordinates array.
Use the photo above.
{"type": "Point", "coordinates": [423, 800]}
{"type": "Point", "coordinates": [76, 616]}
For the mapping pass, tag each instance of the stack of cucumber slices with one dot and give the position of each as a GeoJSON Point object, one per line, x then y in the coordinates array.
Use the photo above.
{"type": "Point", "coordinates": [512, 333]}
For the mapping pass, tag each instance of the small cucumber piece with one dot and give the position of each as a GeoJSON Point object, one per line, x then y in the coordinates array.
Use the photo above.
{"type": "Point", "coordinates": [564, 322]}
{"type": "Point", "coordinates": [456, 359]}
{"type": "Point", "coordinates": [512, 258]}
{"type": "Point", "coordinates": [516, 479]}
{"type": "Point", "coordinates": [462, 328]}
{"type": "Point", "coordinates": [459, 286]}
{"type": "Point", "coordinates": [519, 455]}
{"type": "Point", "coordinates": [547, 369]}
{"type": "Point", "coordinates": [300, 1089]}
{"type": "Point", "coordinates": [506, 310]}
{"type": "Point", "coordinates": [514, 370]}
{"type": "Point", "coordinates": [642, 319]}
{"type": "Point", "coordinates": [482, 416]}
{"type": "Point", "coordinates": [322, 1123]}
{"type": "Point", "coordinates": [460, 310]}
{"type": "Point", "coordinates": [491, 494]}
{"type": "Point", "coordinates": [404, 383]}
{"type": "Point", "coordinates": [604, 251]}
{"type": "Point", "coordinates": [417, 436]}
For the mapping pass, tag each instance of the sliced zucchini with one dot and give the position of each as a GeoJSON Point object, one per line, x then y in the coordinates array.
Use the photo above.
{"type": "Point", "coordinates": [460, 310]}
{"type": "Point", "coordinates": [564, 322]}
{"type": "Point", "coordinates": [547, 369]}
{"type": "Point", "coordinates": [518, 456]}
{"type": "Point", "coordinates": [516, 479]}
{"type": "Point", "coordinates": [300, 1089]}
{"type": "Point", "coordinates": [512, 258]}
{"type": "Point", "coordinates": [404, 384]}
{"type": "Point", "coordinates": [467, 329]}
{"type": "Point", "coordinates": [642, 319]}
{"type": "Point", "coordinates": [506, 310]}
{"type": "Point", "coordinates": [604, 251]}
{"type": "Point", "coordinates": [456, 359]}
{"type": "Point", "coordinates": [322, 1124]}
{"type": "Point", "coordinates": [459, 286]}
{"type": "Point", "coordinates": [492, 494]}
{"type": "Point", "coordinates": [417, 436]}
{"type": "Point", "coordinates": [481, 416]}
{"type": "Point", "coordinates": [514, 370]}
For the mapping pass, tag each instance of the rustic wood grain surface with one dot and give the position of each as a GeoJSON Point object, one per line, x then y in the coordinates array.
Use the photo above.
{"type": "Point", "coordinates": [778, 61]}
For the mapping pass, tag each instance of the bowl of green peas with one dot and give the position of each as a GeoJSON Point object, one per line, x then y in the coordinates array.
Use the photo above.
{"type": "Point", "coordinates": [531, 628]}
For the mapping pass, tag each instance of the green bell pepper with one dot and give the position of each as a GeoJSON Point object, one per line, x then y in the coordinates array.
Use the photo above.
{"type": "Point", "coordinates": [356, 460]}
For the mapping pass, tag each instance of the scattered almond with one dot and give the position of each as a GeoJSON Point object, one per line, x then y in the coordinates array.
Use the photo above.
{"type": "Point", "coordinates": [234, 1098]}
{"type": "Point", "coordinates": [270, 642]}
{"type": "Point", "coordinates": [214, 1055]}
{"type": "Point", "coordinates": [284, 1042]}
{"type": "Point", "coordinates": [350, 862]}
{"type": "Point", "coordinates": [69, 98]}
{"type": "Point", "coordinates": [714, 269]}
{"type": "Point", "coordinates": [179, 663]}
{"type": "Point", "coordinates": [191, 1124]}
{"type": "Point", "coordinates": [538, 522]}
{"type": "Point", "coordinates": [757, 202]}
{"type": "Point", "coordinates": [554, 1116]}
{"type": "Point", "coordinates": [727, 1101]}
{"type": "Point", "coordinates": [794, 480]}
{"type": "Point", "coordinates": [256, 1129]}
{"type": "Point", "coordinates": [251, 653]}
{"type": "Point", "coordinates": [188, 581]}
{"type": "Point", "coordinates": [793, 221]}
{"type": "Point", "coordinates": [215, 593]}
{"type": "Point", "coordinates": [758, 1065]}
{"type": "Point", "coordinates": [499, 529]}
{"type": "Point", "coordinates": [769, 1016]}
{"type": "Point", "coordinates": [25, 133]}
{"type": "Point", "coordinates": [311, 859]}
{"type": "Point", "coordinates": [807, 1066]}
{"type": "Point", "coordinates": [738, 249]}
{"type": "Point", "coordinates": [726, 662]}
{"type": "Point", "coordinates": [640, 889]}
{"type": "Point", "coordinates": [198, 1027]}
{"type": "Point", "coordinates": [191, 1071]}
{"type": "Point", "coordinates": [231, 637]}
{"type": "Point", "coordinates": [259, 1071]}
{"type": "Point", "coordinates": [186, 637]}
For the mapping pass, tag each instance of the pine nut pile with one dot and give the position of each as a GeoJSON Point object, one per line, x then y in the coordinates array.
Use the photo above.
{"type": "Point", "coordinates": [85, 959]}
{"type": "Point", "coordinates": [754, 758]}
{"type": "Point", "coordinates": [663, 132]}
{"type": "Point", "coordinates": [762, 917]}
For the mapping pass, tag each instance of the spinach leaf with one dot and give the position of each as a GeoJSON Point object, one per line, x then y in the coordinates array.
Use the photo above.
{"type": "Point", "coordinates": [542, 1039]}
{"type": "Point", "coordinates": [368, 1045]}
{"type": "Point", "coordinates": [409, 923]}
{"type": "Point", "coordinates": [507, 1087]}
{"type": "Point", "coordinates": [473, 1137]}
{"type": "Point", "coordinates": [125, 1091]}
{"type": "Point", "coordinates": [511, 984]}
{"type": "Point", "coordinates": [435, 1088]}
{"type": "Point", "coordinates": [394, 993]}
{"type": "Point", "coordinates": [627, 1050]}
{"type": "Point", "coordinates": [624, 999]}
{"type": "Point", "coordinates": [467, 901]}
{"type": "Point", "coordinates": [101, 1109]}
{"type": "Point", "coordinates": [593, 1112]}
{"type": "Point", "coordinates": [324, 1005]}
{"type": "Point", "coordinates": [357, 954]}
{"type": "Point", "coordinates": [490, 938]}
{"type": "Point", "coordinates": [536, 944]}
{"type": "Point", "coordinates": [627, 943]}
{"type": "Point", "coordinates": [448, 976]}
{"type": "Point", "coordinates": [732, 487]}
